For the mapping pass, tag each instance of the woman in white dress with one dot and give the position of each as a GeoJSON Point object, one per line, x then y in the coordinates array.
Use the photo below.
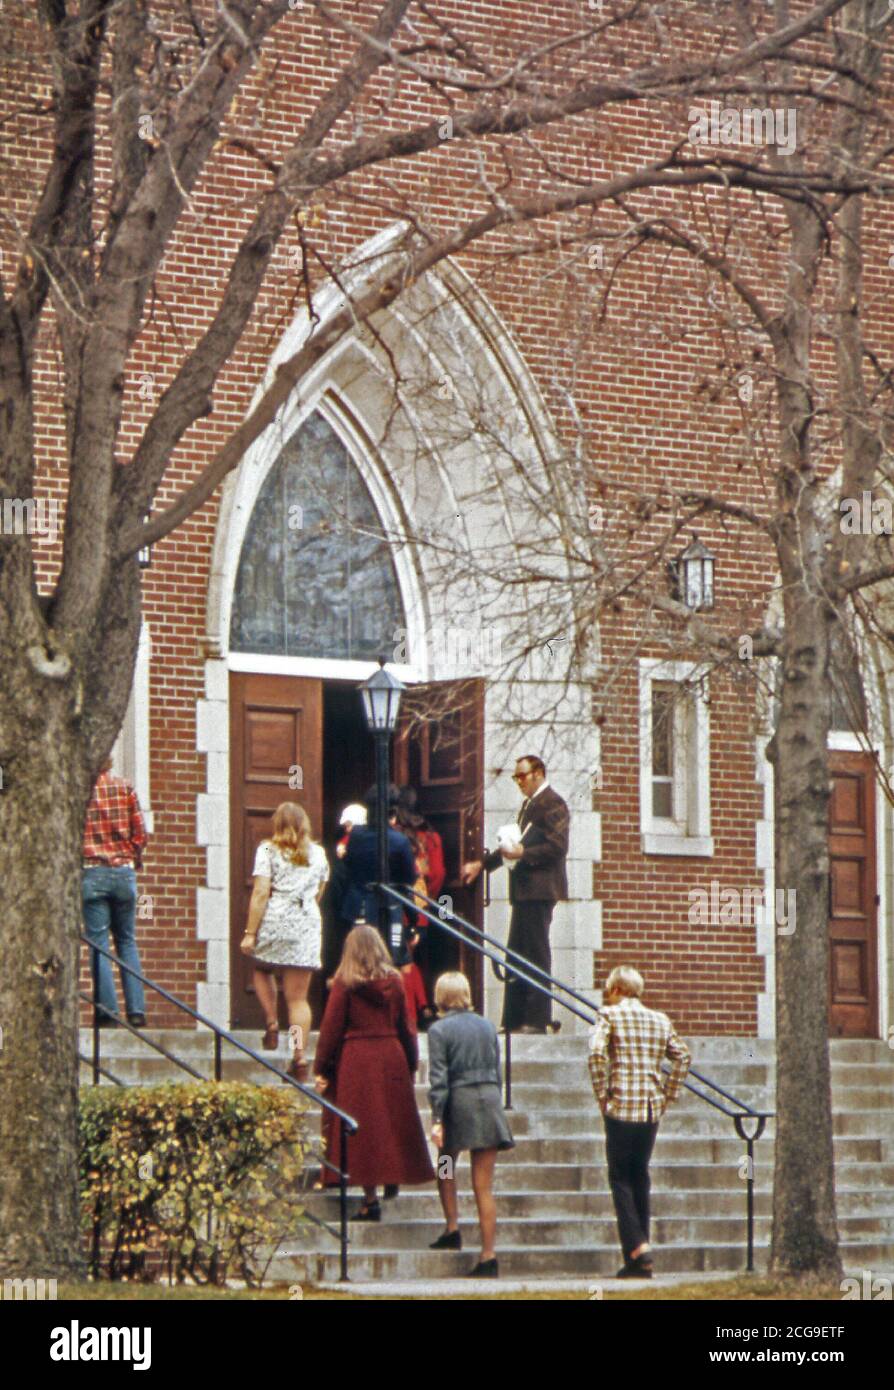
{"type": "Point", "coordinates": [284, 931]}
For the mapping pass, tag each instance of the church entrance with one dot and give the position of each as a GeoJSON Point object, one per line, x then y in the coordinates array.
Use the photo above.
{"type": "Point", "coordinates": [304, 739]}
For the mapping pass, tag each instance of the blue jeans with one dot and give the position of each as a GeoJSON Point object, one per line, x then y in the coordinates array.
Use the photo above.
{"type": "Point", "coordinates": [110, 900]}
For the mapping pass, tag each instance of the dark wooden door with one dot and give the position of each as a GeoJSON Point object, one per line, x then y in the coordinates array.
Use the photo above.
{"type": "Point", "coordinates": [439, 750]}
{"type": "Point", "coordinates": [853, 945]}
{"type": "Point", "coordinates": [276, 741]}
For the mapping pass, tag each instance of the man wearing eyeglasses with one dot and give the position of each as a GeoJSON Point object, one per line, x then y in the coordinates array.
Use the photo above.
{"type": "Point", "coordinates": [537, 881]}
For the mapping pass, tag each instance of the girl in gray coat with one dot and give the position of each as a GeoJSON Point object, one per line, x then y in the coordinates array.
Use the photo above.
{"type": "Point", "coordinates": [467, 1113]}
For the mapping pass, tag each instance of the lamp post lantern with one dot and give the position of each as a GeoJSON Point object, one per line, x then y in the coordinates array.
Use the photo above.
{"type": "Point", "coordinates": [381, 702]}
{"type": "Point", "coordinates": [694, 573]}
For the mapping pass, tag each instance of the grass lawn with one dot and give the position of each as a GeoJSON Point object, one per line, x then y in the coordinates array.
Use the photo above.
{"type": "Point", "coordinates": [739, 1289]}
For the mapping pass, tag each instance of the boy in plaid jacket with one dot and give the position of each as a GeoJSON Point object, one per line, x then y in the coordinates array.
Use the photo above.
{"type": "Point", "coordinates": [627, 1047]}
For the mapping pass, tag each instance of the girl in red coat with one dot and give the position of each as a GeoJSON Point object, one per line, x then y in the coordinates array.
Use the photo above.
{"type": "Point", "coordinates": [365, 1059]}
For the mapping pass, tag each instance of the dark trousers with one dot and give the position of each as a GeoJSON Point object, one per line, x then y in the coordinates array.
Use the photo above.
{"type": "Point", "coordinates": [529, 936]}
{"type": "Point", "coordinates": [628, 1148]}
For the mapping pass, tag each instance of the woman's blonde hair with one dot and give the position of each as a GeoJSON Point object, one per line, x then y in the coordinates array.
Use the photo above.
{"type": "Point", "coordinates": [292, 832]}
{"type": "Point", "coordinates": [452, 992]}
{"type": "Point", "coordinates": [364, 958]}
{"type": "Point", "coordinates": [626, 981]}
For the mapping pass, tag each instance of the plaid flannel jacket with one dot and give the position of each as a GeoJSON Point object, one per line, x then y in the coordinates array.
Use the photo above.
{"type": "Point", "coordinates": [114, 831]}
{"type": "Point", "coordinates": [627, 1047]}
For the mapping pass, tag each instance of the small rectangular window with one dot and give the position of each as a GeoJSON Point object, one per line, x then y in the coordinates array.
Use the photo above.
{"type": "Point", "coordinates": [675, 808]}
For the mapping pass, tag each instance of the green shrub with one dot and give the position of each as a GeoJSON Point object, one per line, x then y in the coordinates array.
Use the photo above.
{"type": "Point", "coordinates": [188, 1180]}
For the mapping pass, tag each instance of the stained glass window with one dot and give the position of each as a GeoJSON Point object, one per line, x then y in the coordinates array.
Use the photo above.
{"type": "Point", "coordinates": [316, 576]}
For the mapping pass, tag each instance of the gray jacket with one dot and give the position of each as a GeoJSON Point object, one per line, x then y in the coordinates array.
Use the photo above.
{"type": "Point", "coordinates": [463, 1050]}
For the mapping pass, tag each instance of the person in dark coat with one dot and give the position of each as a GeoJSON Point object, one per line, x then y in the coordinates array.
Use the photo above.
{"type": "Point", "coordinates": [467, 1112]}
{"type": "Point", "coordinates": [365, 1059]}
{"type": "Point", "coordinates": [361, 863]}
{"type": "Point", "coordinates": [537, 881]}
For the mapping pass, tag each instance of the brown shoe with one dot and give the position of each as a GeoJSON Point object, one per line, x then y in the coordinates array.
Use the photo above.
{"type": "Point", "coordinates": [299, 1070]}
{"type": "Point", "coordinates": [270, 1040]}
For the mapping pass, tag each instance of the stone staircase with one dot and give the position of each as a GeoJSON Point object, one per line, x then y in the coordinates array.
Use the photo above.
{"type": "Point", "coordinates": [555, 1212]}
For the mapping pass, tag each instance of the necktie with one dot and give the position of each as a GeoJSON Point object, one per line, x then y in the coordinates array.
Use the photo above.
{"type": "Point", "coordinates": [524, 806]}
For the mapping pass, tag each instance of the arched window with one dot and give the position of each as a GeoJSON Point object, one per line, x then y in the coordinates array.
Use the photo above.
{"type": "Point", "coordinates": [316, 577]}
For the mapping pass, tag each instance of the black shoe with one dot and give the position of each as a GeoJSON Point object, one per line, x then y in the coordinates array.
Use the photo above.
{"type": "Point", "coordinates": [107, 1022]}
{"type": "Point", "coordinates": [448, 1240]}
{"type": "Point", "coordinates": [555, 1027]}
{"type": "Point", "coordinates": [371, 1213]}
{"type": "Point", "coordinates": [640, 1268]}
{"type": "Point", "coordinates": [138, 1020]}
{"type": "Point", "coordinates": [485, 1269]}
{"type": "Point", "coordinates": [391, 1191]}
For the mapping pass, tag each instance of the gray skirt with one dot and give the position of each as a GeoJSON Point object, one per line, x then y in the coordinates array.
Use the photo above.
{"type": "Point", "coordinates": [475, 1119]}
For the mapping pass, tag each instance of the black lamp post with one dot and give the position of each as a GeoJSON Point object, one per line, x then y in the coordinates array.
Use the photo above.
{"type": "Point", "coordinates": [145, 554]}
{"type": "Point", "coordinates": [381, 702]}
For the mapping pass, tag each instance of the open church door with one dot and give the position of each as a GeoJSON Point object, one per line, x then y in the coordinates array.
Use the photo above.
{"type": "Point", "coordinates": [276, 746]}
{"type": "Point", "coordinates": [439, 750]}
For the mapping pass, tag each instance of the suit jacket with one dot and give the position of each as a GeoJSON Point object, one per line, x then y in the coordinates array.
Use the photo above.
{"type": "Point", "coordinates": [539, 876]}
{"type": "Point", "coordinates": [627, 1047]}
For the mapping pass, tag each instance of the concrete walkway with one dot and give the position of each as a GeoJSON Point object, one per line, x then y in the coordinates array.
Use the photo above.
{"type": "Point", "coordinates": [592, 1289]}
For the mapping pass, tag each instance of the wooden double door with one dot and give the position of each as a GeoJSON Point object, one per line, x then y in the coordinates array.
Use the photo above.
{"type": "Point", "coordinates": [303, 739]}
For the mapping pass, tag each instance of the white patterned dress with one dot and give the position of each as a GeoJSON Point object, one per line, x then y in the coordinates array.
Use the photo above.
{"type": "Point", "coordinates": [291, 930]}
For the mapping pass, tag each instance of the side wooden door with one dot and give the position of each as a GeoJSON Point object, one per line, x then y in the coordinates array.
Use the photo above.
{"type": "Point", "coordinates": [853, 900]}
{"type": "Point", "coordinates": [276, 743]}
{"type": "Point", "coordinates": [439, 750]}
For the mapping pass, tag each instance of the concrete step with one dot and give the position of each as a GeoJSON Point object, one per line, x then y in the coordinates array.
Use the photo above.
{"type": "Point", "coordinates": [584, 1232]}
{"type": "Point", "coordinates": [870, 1177]}
{"type": "Point", "coordinates": [676, 1148]}
{"type": "Point", "coordinates": [519, 1262]}
{"type": "Point", "coordinates": [732, 1051]}
{"type": "Point", "coordinates": [416, 1204]}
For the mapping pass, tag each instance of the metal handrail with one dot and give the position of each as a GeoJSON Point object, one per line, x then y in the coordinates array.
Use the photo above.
{"type": "Point", "coordinates": [221, 1035]}
{"type": "Point", "coordinates": [526, 970]}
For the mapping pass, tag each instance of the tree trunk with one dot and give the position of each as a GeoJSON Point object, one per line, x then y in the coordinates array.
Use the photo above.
{"type": "Point", "coordinates": [805, 1231]}
{"type": "Point", "coordinates": [43, 801]}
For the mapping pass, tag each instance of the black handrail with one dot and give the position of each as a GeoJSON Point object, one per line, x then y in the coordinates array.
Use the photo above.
{"type": "Point", "coordinates": [549, 982]}
{"type": "Point", "coordinates": [522, 968]}
{"type": "Point", "coordinates": [348, 1124]}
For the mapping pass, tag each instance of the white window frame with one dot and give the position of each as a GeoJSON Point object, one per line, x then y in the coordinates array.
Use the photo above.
{"type": "Point", "coordinates": [688, 832]}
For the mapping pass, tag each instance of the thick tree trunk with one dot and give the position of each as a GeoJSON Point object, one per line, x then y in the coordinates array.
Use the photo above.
{"type": "Point", "coordinates": [805, 1232]}
{"type": "Point", "coordinates": [43, 800]}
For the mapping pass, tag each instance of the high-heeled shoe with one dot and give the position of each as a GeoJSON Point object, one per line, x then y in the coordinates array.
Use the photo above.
{"type": "Point", "coordinates": [485, 1269]}
{"type": "Point", "coordinates": [298, 1069]}
{"type": "Point", "coordinates": [270, 1041]}
{"type": "Point", "coordinates": [372, 1212]}
{"type": "Point", "coordinates": [448, 1240]}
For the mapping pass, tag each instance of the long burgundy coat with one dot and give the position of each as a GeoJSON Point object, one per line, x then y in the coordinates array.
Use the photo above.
{"type": "Point", "coordinates": [367, 1048]}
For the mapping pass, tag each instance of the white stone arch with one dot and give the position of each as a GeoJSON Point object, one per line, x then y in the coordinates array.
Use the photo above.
{"type": "Point", "coordinates": [419, 475]}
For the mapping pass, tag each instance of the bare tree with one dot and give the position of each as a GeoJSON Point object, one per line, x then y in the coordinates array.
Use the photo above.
{"type": "Point", "coordinates": [132, 103]}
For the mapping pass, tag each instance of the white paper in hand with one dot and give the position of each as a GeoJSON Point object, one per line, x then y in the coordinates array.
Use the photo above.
{"type": "Point", "coordinates": [509, 837]}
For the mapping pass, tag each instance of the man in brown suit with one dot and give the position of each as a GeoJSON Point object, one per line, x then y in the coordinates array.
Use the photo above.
{"type": "Point", "coordinates": [536, 883]}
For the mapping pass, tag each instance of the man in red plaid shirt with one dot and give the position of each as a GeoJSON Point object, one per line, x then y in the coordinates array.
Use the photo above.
{"type": "Point", "coordinates": [114, 836]}
{"type": "Point", "coordinates": [627, 1047]}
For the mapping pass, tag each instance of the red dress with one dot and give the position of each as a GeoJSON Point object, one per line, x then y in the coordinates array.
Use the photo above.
{"type": "Point", "coordinates": [367, 1049]}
